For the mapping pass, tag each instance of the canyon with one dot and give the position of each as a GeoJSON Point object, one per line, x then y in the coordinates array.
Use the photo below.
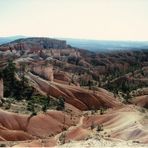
{"type": "Point", "coordinates": [105, 95]}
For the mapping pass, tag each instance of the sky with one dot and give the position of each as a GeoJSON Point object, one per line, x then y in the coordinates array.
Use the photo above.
{"type": "Point", "coordinates": [87, 19]}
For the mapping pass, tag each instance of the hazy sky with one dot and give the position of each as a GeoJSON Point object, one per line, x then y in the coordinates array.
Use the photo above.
{"type": "Point", "coordinates": [89, 19]}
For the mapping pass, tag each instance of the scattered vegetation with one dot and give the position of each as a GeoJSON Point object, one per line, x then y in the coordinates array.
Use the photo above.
{"type": "Point", "coordinates": [13, 87]}
{"type": "Point", "coordinates": [62, 138]}
{"type": "Point", "coordinates": [19, 88]}
{"type": "Point", "coordinates": [61, 103]}
{"type": "Point", "coordinates": [43, 103]}
{"type": "Point", "coordinates": [31, 106]}
{"type": "Point", "coordinates": [3, 145]}
{"type": "Point", "coordinates": [93, 110]}
{"type": "Point", "coordinates": [99, 128]}
{"type": "Point", "coordinates": [102, 110]}
{"type": "Point", "coordinates": [92, 125]}
{"type": "Point", "coordinates": [8, 105]}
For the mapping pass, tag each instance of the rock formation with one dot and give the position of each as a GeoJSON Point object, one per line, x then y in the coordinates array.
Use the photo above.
{"type": "Point", "coordinates": [74, 95]}
{"type": "Point", "coordinates": [1, 88]}
{"type": "Point", "coordinates": [44, 71]}
{"type": "Point", "coordinates": [72, 79]}
{"type": "Point", "coordinates": [34, 44]}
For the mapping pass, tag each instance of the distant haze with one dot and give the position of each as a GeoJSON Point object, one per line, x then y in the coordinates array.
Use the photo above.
{"type": "Point", "coordinates": [93, 45]}
{"type": "Point", "coordinates": [87, 19]}
{"type": "Point", "coordinates": [107, 45]}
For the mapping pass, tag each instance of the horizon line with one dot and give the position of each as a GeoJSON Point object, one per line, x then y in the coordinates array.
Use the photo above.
{"type": "Point", "coordinates": [75, 38]}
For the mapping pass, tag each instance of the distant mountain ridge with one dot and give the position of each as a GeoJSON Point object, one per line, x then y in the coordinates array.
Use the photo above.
{"type": "Point", "coordinates": [4, 40]}
{"type": "Point", "coordinates": [107, 45]}
{"type": "Point", "coordinates": [34, 43]}
{"type": "Point", "coordinates": [92, 45]}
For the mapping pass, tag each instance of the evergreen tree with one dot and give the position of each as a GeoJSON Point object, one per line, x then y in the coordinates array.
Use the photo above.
{"type": "Point", "coordinates": [46, 104]}
{"type": "Point", "coordinates": [9, 78]}
{"type": "Point", "coordinates": [61, 103]}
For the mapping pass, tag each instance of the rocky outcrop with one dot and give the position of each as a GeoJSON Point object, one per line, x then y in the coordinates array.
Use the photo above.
{"type": "Point", "coordinates": [1, 89]}
{"type": "Point", "coordinates": [45, 72]}
{"type": "Point", "coordinates": [141, 101]}
{"type": "Point", "coordinates": [33, 44]}
{"type": "Point", "coordinates": [74, 95]}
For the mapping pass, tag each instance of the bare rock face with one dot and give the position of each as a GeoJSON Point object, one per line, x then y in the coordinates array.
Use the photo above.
{"type": "Point", "coordinates": [1, 88]}
{"type": "Point", "coordinates": [74, 95]}
{"type": "Point", "coordinates": [24, 127]}
{"type": "Point", "coordinates": [34, 44]}
{"type": "Point", "coordinates": [141, 101]}
{"type": "Point", "coordinates": [43, 71]}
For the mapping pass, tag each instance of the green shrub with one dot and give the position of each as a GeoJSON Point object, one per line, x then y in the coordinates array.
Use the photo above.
{"type": "Point", "coordinates": [102, 110]}
{"type": "Point", "coordinates": [61, 103]}
{"type": "Point", "coordinates": [62, 138]}
{"type": "Point", "coordinates": [31, 106]}
{"type": "Point", "coordinates": [8, 105]}
{"type": "Point", "coordinates": [2, 145]}
{"type": "Point", "coordinates": [99, 128]}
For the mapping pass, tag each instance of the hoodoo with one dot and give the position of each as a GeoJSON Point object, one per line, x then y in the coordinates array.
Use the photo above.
{"type": "Point", "coordinates": [1, 88]}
